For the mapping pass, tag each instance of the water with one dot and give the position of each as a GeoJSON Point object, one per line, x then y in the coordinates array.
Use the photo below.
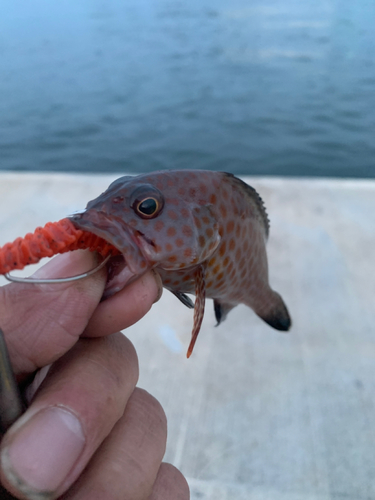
{"type": "Point", "coordinates": [252, 87]}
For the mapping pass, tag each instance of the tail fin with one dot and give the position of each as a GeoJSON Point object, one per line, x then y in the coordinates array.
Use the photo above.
{"type": "Point", "coordinates": [277, 315]}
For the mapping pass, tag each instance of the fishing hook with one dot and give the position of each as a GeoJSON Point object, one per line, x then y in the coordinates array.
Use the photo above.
{"type": "Point", "coordinates": [36, 281]}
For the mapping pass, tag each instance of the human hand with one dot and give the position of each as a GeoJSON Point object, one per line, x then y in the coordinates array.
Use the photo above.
{"type": "Point", "coordinates": [88, 433]}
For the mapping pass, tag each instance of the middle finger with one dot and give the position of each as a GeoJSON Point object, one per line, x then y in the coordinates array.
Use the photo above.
{"type": "Point", "coordinates": [79, 402]}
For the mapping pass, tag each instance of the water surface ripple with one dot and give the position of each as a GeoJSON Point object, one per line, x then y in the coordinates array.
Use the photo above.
{"type": "Point", "coordinates": [260, 87]}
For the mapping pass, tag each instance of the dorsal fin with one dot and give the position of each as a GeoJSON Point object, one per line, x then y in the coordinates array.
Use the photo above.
{"type": "Point", "coordinates": [255, 197]}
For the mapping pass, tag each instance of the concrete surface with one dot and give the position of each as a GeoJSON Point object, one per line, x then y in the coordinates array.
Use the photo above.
{"type": "Point", "coordinates": [256, 414]}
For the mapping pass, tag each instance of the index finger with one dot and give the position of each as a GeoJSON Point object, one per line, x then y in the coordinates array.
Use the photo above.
{"type": "Point", "coordinates": [42, 322]}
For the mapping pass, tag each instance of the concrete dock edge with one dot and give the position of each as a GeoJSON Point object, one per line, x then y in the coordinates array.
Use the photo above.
{"type": "Point", "coordinates": [256, 414]}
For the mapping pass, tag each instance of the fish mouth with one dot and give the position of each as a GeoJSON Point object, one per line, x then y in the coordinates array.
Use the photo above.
{"type": "Point", "coordinates": [121, 269]}
{"type": "Point", "coordinates": [118, 276]}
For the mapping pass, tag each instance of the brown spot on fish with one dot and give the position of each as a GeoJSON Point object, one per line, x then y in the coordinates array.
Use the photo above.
{"type": "Point", "coordinates": [168, 247]}
{"type": "Point", "coordinates": [203, 189]}
{"type": "Point", "coordinates": [220, 284]}
{"type": "Point", "coordinates": [209, 232]}
{"type": "Point", "coordinates": [187, 231]}
{"type": "Point", "coordinates": [230, 226]}
{"type": "Point", "coordinates": [211, 262]}
{"type": "Point", "coordinates": [185, 213]}
{"type": "Point", "coordinates": [201, 240]}
{"type": "Point", "coordinates": [159, 225]}
{"type": "Point", "coordinates": [216, 269]}
{"type": "Point", "coordinates": [213, 199]}
{"type": "Point", "coordinates": [232, 245]}
{"type": "Point", "coordinates": [197, 223]}
{"type": "Point", "coordinates": [188, 252]}
{"type": "Point", "coordinates": [179, 242]}
{"type": "Point", "coordinates": [171, 231]}
{"type": "Point", "coordinates": [222, 249]}
{"type": "Point", "coordinates": [172, 214]}
{"type": "Point", "coordinates": [223, 210]}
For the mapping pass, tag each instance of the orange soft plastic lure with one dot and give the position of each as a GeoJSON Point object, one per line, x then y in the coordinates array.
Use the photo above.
{"type": "Point", "coordinates": [53, 238]}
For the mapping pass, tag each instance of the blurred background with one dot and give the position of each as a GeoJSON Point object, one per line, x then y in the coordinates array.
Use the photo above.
{"type": "Point", "coordinates": [248, 86]}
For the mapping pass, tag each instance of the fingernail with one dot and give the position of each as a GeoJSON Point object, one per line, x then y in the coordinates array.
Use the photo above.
{"type": "Point", "coordinates": [38, 456]}
{"type": "Point", "coordinates": [159, 284]}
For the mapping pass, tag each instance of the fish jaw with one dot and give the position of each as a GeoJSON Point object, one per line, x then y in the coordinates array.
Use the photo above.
{"type": "Point", "coordinates": [117, 233]}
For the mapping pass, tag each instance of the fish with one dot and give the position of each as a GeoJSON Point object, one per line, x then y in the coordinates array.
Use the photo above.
{"type": "Point", "coordinates": [204, 232]}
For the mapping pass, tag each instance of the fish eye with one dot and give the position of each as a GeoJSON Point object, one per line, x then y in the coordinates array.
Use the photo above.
{"type": "Point", "coordinates": [148, 207]}
{"type": "Point", "coordinates": [147, 202]}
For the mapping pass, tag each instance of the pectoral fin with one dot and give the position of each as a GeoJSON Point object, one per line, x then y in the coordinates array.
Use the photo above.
{"type": "Point", "coordinates": [200, 296]}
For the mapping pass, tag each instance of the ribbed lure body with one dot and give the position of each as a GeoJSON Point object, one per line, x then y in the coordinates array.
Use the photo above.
{"type": "Point", "coordinates": [54, 238]}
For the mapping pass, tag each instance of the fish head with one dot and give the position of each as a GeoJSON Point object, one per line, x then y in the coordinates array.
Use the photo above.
{"type": "Point", "coordinates": [151, 225]}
